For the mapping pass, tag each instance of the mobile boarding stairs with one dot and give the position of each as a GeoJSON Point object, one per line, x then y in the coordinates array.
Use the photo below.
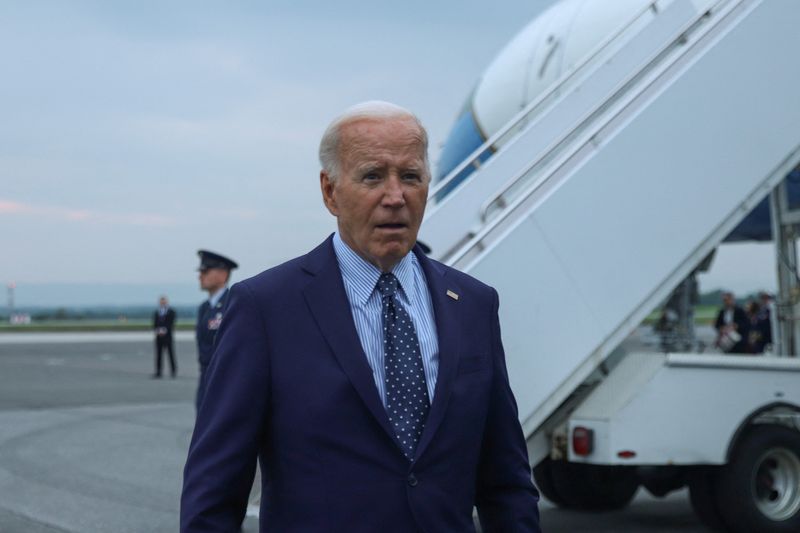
{"type": "Point", "coordinates": [604, 194]}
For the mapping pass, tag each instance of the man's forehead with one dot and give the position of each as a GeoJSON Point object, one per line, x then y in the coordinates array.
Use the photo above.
{"type": "Point", "coordinates": [365, 156]}
{"type": "Point", "coordinates": [366, 129]}
{"type": "Point", "coordinates": [363, 138]}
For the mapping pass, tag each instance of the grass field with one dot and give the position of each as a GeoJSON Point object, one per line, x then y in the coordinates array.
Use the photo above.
{"type": "Point", "coordinates": [703, 315]}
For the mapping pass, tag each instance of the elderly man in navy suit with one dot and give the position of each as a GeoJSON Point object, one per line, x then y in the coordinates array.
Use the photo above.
{"type": "Point", "coordinates": [368, 380]}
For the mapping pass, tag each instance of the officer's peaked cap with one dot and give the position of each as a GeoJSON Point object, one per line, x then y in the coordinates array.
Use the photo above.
{"type": "Point", "coordinates": [214, 260]}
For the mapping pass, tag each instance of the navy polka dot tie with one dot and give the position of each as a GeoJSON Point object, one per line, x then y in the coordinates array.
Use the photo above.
{"type": "Point", "coordinates": [406, 390]}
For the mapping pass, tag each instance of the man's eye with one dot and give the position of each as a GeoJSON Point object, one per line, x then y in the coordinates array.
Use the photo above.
{"type": "Point", "coordinates": [411, 177]}
{"type": "Point", "coordinates": [371, 177]}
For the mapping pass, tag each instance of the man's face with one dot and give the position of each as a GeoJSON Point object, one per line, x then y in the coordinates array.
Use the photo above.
{"type": "Point", "coordinates": [162, 302]}
{"type": "Point", "coordinates": [380, 194]}
{"type": "Point", "coordinates": [727, 300]}
{"type": "Point", "coordinates": [213, 279]}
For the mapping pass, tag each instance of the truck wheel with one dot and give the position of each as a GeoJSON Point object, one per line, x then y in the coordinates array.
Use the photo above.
{"type": "Point", "coordinates": [701, 495]}
{"type": "Point", "coordinates": [594, 487]}
{"type": "Point", "coordinates": [759, 489]}
{"type": "Point", "coordinates": [543, 476]}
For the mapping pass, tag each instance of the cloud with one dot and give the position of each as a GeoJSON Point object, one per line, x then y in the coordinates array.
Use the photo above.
{"type": "Point", "coordinates": [247, 131]}
{"type": "Point", "coordinates": [8, 207]}
{"type": "Point", "coordinates": [11, 208]}
{"type": "Point", "coordinates": [238, 213]}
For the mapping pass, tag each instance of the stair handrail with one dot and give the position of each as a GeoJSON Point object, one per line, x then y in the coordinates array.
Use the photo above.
{"type": "Point", "coordinates": [477, 238]}
{"type": "Point", "coordinates": [519, 176]}
{"type": "Point", "coordinates": [474, 158]}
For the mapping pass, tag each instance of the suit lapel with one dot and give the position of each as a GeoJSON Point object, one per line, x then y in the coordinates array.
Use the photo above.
{"type": "Point", "coordinates": [447, 312]}
{"type": "Point", "coordinates": [327, 300]}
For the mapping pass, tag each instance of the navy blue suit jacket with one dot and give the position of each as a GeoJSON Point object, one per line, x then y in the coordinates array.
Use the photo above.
{"type": "Point", "coordinates": [289, 383]}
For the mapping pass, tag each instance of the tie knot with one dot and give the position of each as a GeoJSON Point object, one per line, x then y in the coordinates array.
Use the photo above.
{"type": "Point", "coordinates": [387, 285]}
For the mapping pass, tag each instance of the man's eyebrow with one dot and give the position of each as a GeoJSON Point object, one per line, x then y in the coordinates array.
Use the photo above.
{"type": "Point", "coordinates": [368, 167]}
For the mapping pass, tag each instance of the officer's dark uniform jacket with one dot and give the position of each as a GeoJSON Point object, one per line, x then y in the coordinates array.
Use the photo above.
{"type": "Point", "coordinates": [208, 321]}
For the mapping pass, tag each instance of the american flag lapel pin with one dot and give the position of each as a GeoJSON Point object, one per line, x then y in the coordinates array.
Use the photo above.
{"type": "Point", "coordinates": [452, 295]}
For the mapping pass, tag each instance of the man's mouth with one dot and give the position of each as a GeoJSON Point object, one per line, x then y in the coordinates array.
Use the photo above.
{"type": "Point", "coordinates": [391, 226]}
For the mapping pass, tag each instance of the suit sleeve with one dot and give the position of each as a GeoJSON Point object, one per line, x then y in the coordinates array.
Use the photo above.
{"type": "Point", "coordinates": [506, 498]}
{"type": "Point", "coordinates": [222, 457]}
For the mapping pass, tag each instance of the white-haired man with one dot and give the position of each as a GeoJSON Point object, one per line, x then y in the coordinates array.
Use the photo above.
{"type": "Point", "coordinates": [369, 380]}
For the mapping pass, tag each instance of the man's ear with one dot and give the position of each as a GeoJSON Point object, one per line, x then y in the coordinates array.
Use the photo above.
{"type": "Point", "coordinates": [328, 187]}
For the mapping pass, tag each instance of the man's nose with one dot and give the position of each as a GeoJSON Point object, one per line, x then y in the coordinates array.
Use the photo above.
{"type": "Point", "coordinates": [393, 194]}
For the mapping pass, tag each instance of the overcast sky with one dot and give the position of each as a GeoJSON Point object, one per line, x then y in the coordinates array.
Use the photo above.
{"type": "Point", "coordinates": [134, 133]}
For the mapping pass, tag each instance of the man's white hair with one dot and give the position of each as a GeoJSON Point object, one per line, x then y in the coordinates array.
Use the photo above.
{"type": "Point", "coordinates": [329, 145]}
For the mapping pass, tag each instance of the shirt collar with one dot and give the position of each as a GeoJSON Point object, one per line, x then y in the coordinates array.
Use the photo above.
{"type": "Point", "coordinates": [214, 299]}
{"type": "Point", "coordinates": [362, 276]}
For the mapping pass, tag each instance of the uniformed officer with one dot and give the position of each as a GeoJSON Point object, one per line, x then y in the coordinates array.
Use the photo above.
{"type": "Point", "coordinates": [215, 271]}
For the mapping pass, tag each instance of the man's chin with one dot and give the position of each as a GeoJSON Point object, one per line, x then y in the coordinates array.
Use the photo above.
{"type": "Point", "coordinates": [391, 254]}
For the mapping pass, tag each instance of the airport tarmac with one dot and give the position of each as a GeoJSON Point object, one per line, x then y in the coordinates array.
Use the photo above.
{"type": "Point", "coordinates": [89, 443]}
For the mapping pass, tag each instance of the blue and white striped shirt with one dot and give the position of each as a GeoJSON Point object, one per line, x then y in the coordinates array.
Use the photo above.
{"type": "Point", "coordinates": [360, 278]}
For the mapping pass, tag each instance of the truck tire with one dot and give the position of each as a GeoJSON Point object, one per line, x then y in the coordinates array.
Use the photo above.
{"type": "Point", "coordinates": [543, 477]}
{"type": "Point", "coordinates": [701, 495]}
{"type": "Point", "coordinates": [593, 487]}
{"type": "Point", "coordinates": [759, 489]}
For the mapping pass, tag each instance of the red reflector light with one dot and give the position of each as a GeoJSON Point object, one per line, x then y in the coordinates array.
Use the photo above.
{"type": "Point", "coordinates": [582, 440]}
{"type": "Point", "coordinates": [626, 454]}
